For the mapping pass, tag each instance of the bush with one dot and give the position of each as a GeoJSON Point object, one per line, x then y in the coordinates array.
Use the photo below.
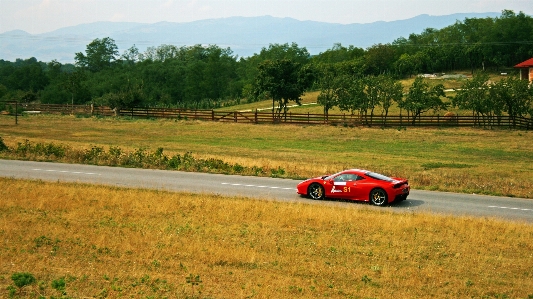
{"type": "Point", "coordinates": [59, 285]}
{"type": "Point", "coordinates": [42, 149]}
{"type": "Point", "coordinates": [3, 146]}
{"type": "Point", "coordinates": [138, 158]}
{"type": "Point", "coordinates": [23, 279]}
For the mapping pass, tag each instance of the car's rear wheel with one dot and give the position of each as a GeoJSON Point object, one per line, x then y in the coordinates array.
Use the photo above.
{"type": "Point", "coordinates": [378, 197]}
{"type": "Point", "coordinates": [316, 191]}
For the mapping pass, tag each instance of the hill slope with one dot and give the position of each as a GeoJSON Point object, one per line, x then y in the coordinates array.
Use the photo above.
{"type": "Point", "coordinates": [244, 35]}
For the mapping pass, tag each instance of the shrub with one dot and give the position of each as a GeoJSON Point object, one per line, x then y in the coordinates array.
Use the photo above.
{"type": "Point", "coordinates": [92, 154]}
{"type": "Point", "coordinates": [59, 285]}
{"type": "Point", "coordinates": [3, 146]}
{"type": "Point", "coordinates": [238, 168]}
{"type": "Point", "coordinates": [23, 148]}
{"type": "Point", "coordinates": [279, 172]}
{"type": "Point", "coordinates": [49, 150]}
{"type": "Point", "coordinates": [22, 279]}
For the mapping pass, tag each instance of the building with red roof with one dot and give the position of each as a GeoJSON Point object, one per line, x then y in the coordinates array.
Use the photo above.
{"type": "Point", "coordinates": [526, 69]}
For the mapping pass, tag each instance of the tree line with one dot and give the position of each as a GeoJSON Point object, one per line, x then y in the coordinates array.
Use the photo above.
{"type": "Point", "coordinates": [350, 78]}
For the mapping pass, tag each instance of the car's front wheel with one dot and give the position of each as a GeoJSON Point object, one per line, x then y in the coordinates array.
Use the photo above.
{"type": "Point", "coordinates": [316, 191]}
{"type": "Point", "coordinates": [378, 197]}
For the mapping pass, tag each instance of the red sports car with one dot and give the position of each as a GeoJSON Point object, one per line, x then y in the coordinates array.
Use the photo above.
{"type": "Point", "coordinates": [356, 184]}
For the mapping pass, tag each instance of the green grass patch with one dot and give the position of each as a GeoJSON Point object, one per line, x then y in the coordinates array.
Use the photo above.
{"type": "Point", "coordinates": [434, 165]}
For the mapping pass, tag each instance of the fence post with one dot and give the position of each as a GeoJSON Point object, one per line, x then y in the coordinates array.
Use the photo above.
{"type": "Point", "coordinates": [234, 116]}
{"type": "Point", "coordinates": [212, 115]}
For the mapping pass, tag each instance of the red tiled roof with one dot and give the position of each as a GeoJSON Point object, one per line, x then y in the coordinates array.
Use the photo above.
{"type": "Point", "coordinates": [527, 63]}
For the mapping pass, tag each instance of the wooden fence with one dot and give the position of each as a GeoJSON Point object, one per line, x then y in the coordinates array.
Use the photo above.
{"type": "Point", "coordinates": [291, 118]}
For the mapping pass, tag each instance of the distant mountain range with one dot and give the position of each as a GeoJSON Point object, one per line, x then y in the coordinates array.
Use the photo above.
{"type": "Point", "coordinates": [244, 35]}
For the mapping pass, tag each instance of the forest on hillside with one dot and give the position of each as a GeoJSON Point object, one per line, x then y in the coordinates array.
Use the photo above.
{"type": "Point", "coordinates": [199, 76]}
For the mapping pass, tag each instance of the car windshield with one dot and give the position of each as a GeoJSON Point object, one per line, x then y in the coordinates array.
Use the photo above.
{"type": "Point", "coordinates": [331, 176]}
{"type": "Point", "coordinates": [378, 176]}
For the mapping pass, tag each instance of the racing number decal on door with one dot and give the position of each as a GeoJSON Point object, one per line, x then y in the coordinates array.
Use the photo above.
{"type": "Point", "coordinates": [341, 190]}
{"type": "Point", "coordinates": [345, 190]}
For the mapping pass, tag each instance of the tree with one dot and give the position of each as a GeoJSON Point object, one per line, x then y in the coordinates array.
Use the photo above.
{"type": "Point", "coordinates": [331, 83]}
{"type": "Point", "coordinates": [474, 95]}
{"type": "Point", "coordinates": [365, 94]}
{"type": "Point", "coordinates": [284, 81]}
{"type": "Point", "coordinates": [353, 97]}
{"type": "Point", "coordinates": [131, 95]}
{"type": "Point", "coordinates": [131, 55]}
{"type": "Point", "coordinates": [285, 51]}
{"type": "Point", "coordinates": [73, 84]}
{"type": "Point", "coordinates": [379, 59]}
{"type": "Point", "coordinates": [3, 91]}
{"type": "Point", "coordinates": [99, 55]}
{"type": "Point", "coordinates": [405, 65]}
{"type": "Point", "coordinates": [390, 91]}
{"type": "Point", "coordinates": [248, 68]}
{"type": "Point", "coordinates": [422, 98]}
{"type": "Point", "coordinates": [54, 70]}
{"type": "Point", "coordinates": [338, 54]}
{"type": "Point", "coordinates": [513, 95]}
{"type": "Point", "coordinates": [26, 75]}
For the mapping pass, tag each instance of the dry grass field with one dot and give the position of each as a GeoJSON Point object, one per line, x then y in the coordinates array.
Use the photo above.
{"type": "Point", "coordinates": [81, 241]}
{"type": "Point", "coordinates": [494, 162]}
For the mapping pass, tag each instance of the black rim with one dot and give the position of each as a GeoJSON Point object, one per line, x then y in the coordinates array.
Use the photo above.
{"type": "Point", "coordinates": [316, 191]}
{"type": "Point", "coordinates": [378, 197]}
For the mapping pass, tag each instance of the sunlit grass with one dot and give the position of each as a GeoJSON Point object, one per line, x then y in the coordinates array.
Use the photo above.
{"type": "Point", "coordinates": [500, 161]}
{"type": "Point", "coordinates": [112, 242]}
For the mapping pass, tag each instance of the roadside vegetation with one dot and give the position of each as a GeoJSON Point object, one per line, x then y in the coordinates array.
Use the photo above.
{"type": "Point", "coordinates": [64, 240]}
{"type": "Point", "coordinates": [468, 160]}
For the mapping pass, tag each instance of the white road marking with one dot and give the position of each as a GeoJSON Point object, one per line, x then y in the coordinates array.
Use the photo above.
{"type": "Point", "coordinates": [508, 208]}
{"type": "Point", "coordinates": [259, 186]}
{"type": "Point", "coordinates": [64, 171]}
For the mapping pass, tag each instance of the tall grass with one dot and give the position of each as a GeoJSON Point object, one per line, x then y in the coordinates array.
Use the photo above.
{"type": "Point", "coordinates": [82, 241]}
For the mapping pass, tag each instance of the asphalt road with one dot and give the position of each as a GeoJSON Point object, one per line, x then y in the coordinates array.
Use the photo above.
{"type": "Point", "coordinates": [514, 209]}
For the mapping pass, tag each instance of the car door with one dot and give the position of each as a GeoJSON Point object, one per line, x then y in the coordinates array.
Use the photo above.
{"type": "Point", "coordinates": [343, 186]}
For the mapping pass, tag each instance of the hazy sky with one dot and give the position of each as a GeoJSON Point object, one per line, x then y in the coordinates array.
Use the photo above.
{"type": "Point", "coordinates": [38, 16]}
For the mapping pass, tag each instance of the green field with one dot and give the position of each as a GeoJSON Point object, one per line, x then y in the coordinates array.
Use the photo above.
{"type": "Point", "coordinates": [494, 162]}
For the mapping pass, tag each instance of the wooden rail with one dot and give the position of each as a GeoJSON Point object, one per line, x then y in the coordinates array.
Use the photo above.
{"type": "Point", "coordinates": [291, 118]}
{"type": "Point", "coordinates": [332, 119]}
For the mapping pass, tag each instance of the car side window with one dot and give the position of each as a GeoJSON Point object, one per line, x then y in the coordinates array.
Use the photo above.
{"type": "Point", "coordinates": [340, 178]}
{"type": "Point", "coordinates": [347, 177]}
